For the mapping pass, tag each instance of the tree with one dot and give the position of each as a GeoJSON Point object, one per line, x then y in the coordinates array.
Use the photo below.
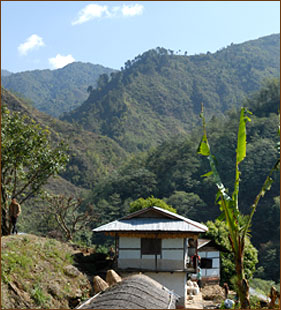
{"type": "Point", "coordinates": [90, 89]}
{"type": "Point", "coordinates": [237, 224]}
{"type": "Point", "coordinates": [218, 232]}
{"type": "Point", "coordinates": [27, 161]}
{"type": "Point", "coordinates": [142, 203]}
{"type": "Point", "coordinates": [68, 214]}
{"type": "Point", "coordinates": [103, 80]}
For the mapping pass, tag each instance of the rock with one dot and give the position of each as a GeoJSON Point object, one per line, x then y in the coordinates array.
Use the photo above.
{"type": "Point", "coordinates": [54, 289]}
{"type": "Point", "coordinates": [112, 277]}
{"type": "Point", "coordinates": [71, 271]}
{"type": "Point", "coordinates": [99, 284]}
{"type": "Point", "coordinates": [78, 293]}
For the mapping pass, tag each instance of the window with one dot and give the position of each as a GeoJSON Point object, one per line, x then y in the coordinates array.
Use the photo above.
{"type": "Point", "coordinates": [150, 246]}
{"type": "Point", "coordinates": [206, 263]}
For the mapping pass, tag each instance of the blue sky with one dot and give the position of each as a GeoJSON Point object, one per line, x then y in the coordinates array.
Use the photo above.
{"type": "Point", "coordinates": [50, 34]}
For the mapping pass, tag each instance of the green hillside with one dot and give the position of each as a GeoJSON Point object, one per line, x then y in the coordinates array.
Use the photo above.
{"type": "Point", "coordinates": [158, 94]}
{"type": "Point", "coordinates": [55, 91]}
{"type": "Point", "coordinates": [38, 273]}
{"type": "Point", "coordinates": [91, 155]}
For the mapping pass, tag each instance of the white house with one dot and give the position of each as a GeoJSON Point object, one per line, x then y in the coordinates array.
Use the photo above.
{"type": "Point", "coordinates": [158, 243]}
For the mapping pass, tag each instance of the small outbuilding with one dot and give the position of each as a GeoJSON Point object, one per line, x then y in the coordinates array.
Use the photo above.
{"type": "Point", "coordinates": [158, 243]}
{"type": "Point", "coordinates": [209, 253]}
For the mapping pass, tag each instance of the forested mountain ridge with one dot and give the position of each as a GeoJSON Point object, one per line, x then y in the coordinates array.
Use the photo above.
{"type": "Point", "coordinates": [5, 72]}
{"type": "Point", "coordinates": [158, 94]}
{"type": "Point", "coordinates": [55, 91]}
{"type": "Point", "coordinates": [91, 155]}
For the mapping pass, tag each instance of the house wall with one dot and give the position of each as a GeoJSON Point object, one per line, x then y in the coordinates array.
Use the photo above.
{"type": "Point", "coordinates": [214, 272]}
{"type": "Point", "coordinates": [175, 282]}
{"type": "Point", "coordinates": [172, 257]}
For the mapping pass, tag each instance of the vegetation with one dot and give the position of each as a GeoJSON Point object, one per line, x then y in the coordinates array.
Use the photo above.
{"type": "Point", "coordinates": [172, 172]}
{"type": "Point", "coordinates": [38, 273]}
{"type": "Point", "coordinates": [5, 72]}
{"type": "Point", "coordinates": [28, 160]}
{"type": "Point", "coordinates": [90, 156]}
{"type": "Point", "coordinates": [141, 203]}
{"type": "Point", "coordinates": [158, 94]}
{"type": "Point", "coordinates": [55, 91]}
{"type": "Point", "coordinates": [152, 105]}
{"type": "Point", "coordinates": [219, 233]}
{"type": "Point", "coordinates": [237, 224]}
{"type": "Point", "coordinates": [68, 214]}
{"type": "Point", "coordinates": [263, 286]}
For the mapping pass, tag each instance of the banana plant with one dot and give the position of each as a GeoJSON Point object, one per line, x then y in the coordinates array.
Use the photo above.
{"type": "Point", "coordinates": [238, 225]}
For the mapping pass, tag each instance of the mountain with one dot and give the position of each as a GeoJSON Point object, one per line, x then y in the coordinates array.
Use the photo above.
{"type": "Point", "coordinates": [91, 155]}
{"type": "Point", "coordinates": [5, 73]}
{"type": "Point", "coordinates": [55, 91]}
{"type": "Point", "coordinates": [158, 94]}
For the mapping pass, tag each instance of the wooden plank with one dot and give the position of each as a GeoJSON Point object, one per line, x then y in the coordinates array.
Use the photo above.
{"type": "Point", "coordinates": [168, 235]}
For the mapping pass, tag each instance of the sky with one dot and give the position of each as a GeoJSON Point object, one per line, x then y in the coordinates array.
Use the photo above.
{"type": "Point", "coordinates": [51, 34]}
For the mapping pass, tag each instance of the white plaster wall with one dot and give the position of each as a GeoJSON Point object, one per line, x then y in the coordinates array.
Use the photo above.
{"type": "Point", "coordinates": [172, 254]}
{"type": "Point", "coordinates": [129, 242]}
{"type": "Point", "coordinates": [127, 254]}
{"type": "Point", "coordinates": [202, 254]}
{"type": "Point", "coordinates": [213, 254]}
{"type": "Point", "coordinates": [213, 272]}
{"type": "Point", "coordinates": [172, 243]}
{"type": "Point", "coordinates": [216, 263]}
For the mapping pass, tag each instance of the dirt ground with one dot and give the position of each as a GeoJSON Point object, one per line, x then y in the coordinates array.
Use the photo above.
{"type": "Point", "coordinates": [212, 295]}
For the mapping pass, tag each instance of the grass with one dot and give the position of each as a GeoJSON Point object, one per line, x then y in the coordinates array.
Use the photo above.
{"type": "Point", "coordinates": [35, 265]}
{"type": "Point", "coordinates": [263, 286]}
{"type": "Point", "coordinates": [15, 263]}
{"type": "Point", "coordinates": [39, 297]}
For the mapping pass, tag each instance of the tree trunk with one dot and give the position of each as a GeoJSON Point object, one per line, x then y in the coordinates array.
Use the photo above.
{"type": "Point", "coordinates": [243, 286]}
{"type": "Point", "coordinates": [5, 227]}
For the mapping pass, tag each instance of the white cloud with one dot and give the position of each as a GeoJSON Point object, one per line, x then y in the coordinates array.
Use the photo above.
{"type": "Point", "coordinates": [60, 61]}
{"type": "Point", "coordinates": [33, 42]}
{"type": "Point", "coordinates": [132, 10]}
{"type": "Point", "coordinates": [92, 11]}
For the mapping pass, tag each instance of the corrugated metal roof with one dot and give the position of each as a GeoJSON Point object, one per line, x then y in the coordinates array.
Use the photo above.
{"type": "Point", "coordinates": [173, 223]}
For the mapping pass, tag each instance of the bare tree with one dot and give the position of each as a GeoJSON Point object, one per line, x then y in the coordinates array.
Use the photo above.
{"type": "Point", "coordinates": [68, 215]}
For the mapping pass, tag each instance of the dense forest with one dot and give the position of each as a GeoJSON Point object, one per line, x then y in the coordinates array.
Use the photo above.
{"type": "Point", "coordinates": [91, 156]}
{"type": "Point", "coordinates": [158, 94]}
{"type": "Point", "coordinates": [137, 136]}
{"type": "Point", "coordinates": [55, 91]}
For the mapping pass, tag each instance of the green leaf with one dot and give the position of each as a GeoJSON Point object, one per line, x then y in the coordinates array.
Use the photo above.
{"type": "Point", "coordinates": [207, 174]}
{"type": "Point", "coordinates": [203, 147]}
{"type": "Point", "coordinates": [241, 139]}
{"type": "Point", "coordinates": [221, 217]}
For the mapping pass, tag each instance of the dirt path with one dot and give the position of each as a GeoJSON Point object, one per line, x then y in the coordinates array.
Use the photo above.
{"type": "Point", "coordinates": [196, 302]}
